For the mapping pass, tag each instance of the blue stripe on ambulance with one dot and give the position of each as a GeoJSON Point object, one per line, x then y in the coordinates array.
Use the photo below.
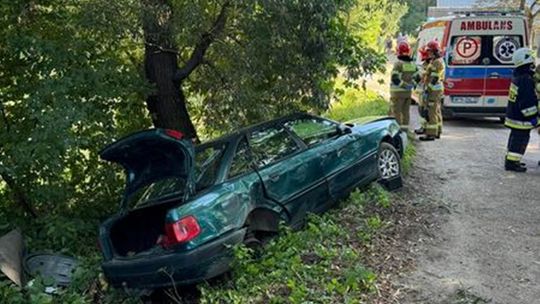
{"type": "Point", "coordinates": [477, 72]}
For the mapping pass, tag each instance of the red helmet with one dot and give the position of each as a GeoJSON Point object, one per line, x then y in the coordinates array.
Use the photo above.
{"type": "Point", "coordinates": [403, 49]}
{"type": "Point", "coordinates": [433, 46]}
{"type": "Point", "coordinates": [423, 53]}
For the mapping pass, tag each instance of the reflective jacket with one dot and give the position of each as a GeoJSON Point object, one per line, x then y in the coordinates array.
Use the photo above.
{"type": "Point", "coordinates": [435, 71]}
{"type": "Point", "coordinates": [522, 106]}
{"type": "Point", "coordinates": [406, 71]}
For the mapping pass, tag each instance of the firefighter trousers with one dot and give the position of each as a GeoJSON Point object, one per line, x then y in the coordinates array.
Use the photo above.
{"type": "Point", "coordinates": [434, 121]}
{"type": "Point", "coordinates": [517, 144]}
{"type": "Point", "coordinates": [400, 109]}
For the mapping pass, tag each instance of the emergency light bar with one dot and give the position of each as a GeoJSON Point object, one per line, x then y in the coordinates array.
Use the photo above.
{"type": "Point", "coordinates": [490, 13]}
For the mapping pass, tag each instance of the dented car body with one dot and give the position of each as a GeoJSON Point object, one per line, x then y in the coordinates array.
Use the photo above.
{"type": "Point", "coordinates": [184, 207]}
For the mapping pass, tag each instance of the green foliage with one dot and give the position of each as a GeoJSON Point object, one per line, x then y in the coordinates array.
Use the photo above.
{"type": "Point", "coordinates": [416, 15]}
{"type": "Point", "coordinates": [72, 81]}
{"type": "Point", "coordinates": [355, 103]}
{"type": "Point", "coordinates": [410, 153]}
{"type": "Point", "coordinates": [372, 20]}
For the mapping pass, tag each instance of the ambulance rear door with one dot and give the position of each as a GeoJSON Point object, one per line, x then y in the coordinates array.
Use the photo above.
{"type": "Point", "coordinates": [480, 62]}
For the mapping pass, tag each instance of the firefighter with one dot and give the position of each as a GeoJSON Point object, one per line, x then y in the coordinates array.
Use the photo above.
{"type": "Point", "coordinates": [522, 109]}
{"type": "Point", "coordinates": [402, 84]}
{"type": "Point", "coordinates": [433, 81]}
{"type": "Point", "coordinates": [420, 90]}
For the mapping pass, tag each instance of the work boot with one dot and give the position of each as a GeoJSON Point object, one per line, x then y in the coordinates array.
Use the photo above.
{"type": "Point", "coordinates": [515, 166]}
{"type": "Point", "coordinates": [420, 131]}
{"type": "Point", "coordinates": [427, 138]}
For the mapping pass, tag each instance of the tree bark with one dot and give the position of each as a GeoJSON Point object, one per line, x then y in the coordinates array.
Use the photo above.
{"type": "Point", "coordinates": [167, 103]}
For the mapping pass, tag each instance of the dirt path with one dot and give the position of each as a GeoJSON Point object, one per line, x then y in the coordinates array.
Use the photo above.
{"type": "Point", "coordinates": [486, 247]}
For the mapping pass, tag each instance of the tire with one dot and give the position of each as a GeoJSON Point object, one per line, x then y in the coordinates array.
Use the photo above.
{"type": "Point", "coordinates": [388, 162]}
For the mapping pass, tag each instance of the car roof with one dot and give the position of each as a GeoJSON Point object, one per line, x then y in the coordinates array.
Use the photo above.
{"type": "Point", "coordinates": [234, 135]}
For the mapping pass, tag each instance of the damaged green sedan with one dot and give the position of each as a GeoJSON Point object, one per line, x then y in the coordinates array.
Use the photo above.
{"type": "Point", "coordinates": [184, 207]}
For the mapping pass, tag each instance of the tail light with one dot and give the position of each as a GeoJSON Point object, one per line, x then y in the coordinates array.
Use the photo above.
{"type": "Point", "coordinates": [184, 230]}
{"type": "Point", "coordinates": [174, 134]}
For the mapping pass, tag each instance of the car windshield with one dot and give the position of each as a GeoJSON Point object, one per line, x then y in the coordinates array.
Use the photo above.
{"type": "Point", "coordinates": [206, 169]}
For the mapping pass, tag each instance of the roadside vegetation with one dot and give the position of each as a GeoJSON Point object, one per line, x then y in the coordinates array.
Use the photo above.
{"type": "Point", "coordinates": [73, 80]}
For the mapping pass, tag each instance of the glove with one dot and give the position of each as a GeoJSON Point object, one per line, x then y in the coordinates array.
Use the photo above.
{"type": "Point", "coordinates": [435, 80]}
{"type": "Point", "coordinates": [534, 122]}
{"type": "Point", "coordinates": [395, 79]}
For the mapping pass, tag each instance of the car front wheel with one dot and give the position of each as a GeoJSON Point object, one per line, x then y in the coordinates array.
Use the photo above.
{"type": "Point", "coordinates": [388, 162]}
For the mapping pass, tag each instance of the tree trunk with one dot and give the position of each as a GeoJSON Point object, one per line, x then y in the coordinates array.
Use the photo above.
{"type": "Point", "coordinates": [166, 103]}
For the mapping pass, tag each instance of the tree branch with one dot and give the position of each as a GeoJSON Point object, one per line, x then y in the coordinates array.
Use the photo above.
{"type": "Point", "coordinates": [204, 43]}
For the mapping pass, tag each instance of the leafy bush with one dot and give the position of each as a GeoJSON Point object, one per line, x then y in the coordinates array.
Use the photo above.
{"type": "Point", "coordinates": [355, 103]}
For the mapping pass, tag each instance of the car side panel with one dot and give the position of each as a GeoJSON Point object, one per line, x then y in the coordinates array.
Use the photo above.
{"type": "Point", "coordinates": [297, 183]}
{"type": "Point", "coordinates": [224, 207]}
{"type": "Point", "coordinates": [343, 158]}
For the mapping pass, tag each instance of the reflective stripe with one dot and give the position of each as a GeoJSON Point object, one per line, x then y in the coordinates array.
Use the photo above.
{"type": "Point", "coordinates": [399, 89]}
{"type": "Point", "coordinates": [436, 87]}
{"type": "Point", "coordinates": [530, 111]}
{"type": "Point", "coordinates": [516, 124]}
{"type": "Point", "coordinates": [432, 127]}
{"type": "Point", "coordinates": [512, 156]}
{"type": "Point", "coordinates": [409, 67]}
{"type": "Point", "coordinates": [513, 93]}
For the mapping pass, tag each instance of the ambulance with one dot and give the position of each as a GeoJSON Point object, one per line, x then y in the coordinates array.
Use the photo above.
{"type": "Point", "coordinates": [478, 48]}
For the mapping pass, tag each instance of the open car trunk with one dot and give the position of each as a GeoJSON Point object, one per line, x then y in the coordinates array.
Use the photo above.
{"type": "Point", "coordinates": [140, 229]}
{"type": "Point", "coordinates": [159, 167]}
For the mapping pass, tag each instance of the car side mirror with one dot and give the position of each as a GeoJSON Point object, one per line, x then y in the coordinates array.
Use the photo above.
{"type": "Point", "coordinates": [343, 130]}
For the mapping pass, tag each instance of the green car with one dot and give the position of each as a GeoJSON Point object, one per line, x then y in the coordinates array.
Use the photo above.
{"type": "Point", "coordinates": [184, 207]}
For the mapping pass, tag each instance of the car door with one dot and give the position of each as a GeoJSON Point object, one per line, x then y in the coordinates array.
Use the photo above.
{"type": "Point", "coordinates": [342, 153]}
{"type": "Point", "coordinates": [291, 174]}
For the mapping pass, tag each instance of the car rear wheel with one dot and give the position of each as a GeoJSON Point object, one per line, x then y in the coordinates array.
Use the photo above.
{"type": "Point", "coordinates": [388, 162]}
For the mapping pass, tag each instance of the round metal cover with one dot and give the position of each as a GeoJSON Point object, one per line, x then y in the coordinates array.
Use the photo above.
{"type": "Point", "coordinates": [57, 267]}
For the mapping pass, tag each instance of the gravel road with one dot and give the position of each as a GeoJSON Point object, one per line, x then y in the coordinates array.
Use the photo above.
{"type": "Point", "coordinates": [486, 248]}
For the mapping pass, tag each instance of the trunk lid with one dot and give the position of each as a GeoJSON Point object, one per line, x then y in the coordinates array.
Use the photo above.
{"type": "Point", "coordinates": [158, 163]}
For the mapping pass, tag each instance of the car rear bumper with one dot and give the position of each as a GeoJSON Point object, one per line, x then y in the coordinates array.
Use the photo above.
{"type": "Point", "coordinates": [474, 111]}
{"type": "Point", "coordinates": [177, 268]}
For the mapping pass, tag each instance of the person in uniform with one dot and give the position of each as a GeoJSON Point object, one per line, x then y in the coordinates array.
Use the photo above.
{"type": "Point", "coordinates": [522, 109]}
{"type": "Point", "coordinates": [433, 81]}
{"type": "Point", "coordinates": [421, 90]}
{"type": "Point", "coordinates": [402, 84]}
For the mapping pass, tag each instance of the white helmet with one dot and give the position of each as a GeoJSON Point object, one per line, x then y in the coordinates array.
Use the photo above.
{"type": "Point", "coordinates": [523, 56]}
